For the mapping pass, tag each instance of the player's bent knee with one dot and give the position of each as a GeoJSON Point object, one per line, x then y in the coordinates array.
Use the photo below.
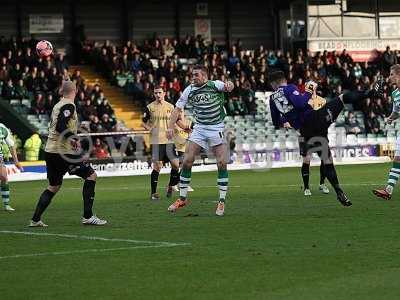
{"type": "Point", "coordinates": [157, 166]}
{"type": "Point", "coordinates": [54, 188]}
{"type": "Point", "coordinates": [187, 163]}
{"type": "Point", "coordinates": [175, 164]}
{"type": "Point", "coordinates": [93, 176]}
{"type": "Point", "coordinates": [221, 164]}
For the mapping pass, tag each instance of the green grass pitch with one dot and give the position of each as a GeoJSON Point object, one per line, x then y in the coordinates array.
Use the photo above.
{"type": "Point", "coordinates": [273, 243]}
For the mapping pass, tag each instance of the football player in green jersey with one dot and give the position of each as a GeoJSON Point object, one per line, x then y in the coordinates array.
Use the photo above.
{"type": "Point", "coordinates": [207, 100]}
{"type": "Point", "coordinates": [7, 139]}
{"type": "Point", "coordinates": [394, 173]}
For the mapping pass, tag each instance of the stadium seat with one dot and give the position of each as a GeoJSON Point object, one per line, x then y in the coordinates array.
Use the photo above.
{"type": "Point", "coordinates": [351, 140]}
{"type": "Point", "coordinates": [26, 103]}
{"type": "Point", "coordinates": [382, 140]}
{"type": "Point", "coordinates": [372, 139]}
{"type": "Point", "coordinates": [260, 146]}
{"type": "Point", "coordinates": [154, 62]}
{"type": "Point", "coordinates": [292, 142]}
{"type": "Point", "coordinates": [361, 139]}
{"type": "Point", "coordinates": [348, 107]}
{"type": "Point", "coordinates": [15, 102]}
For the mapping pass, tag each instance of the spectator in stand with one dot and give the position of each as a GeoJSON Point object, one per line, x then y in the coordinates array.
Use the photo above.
{"type": "Point", "coordinates": [379, 109]}
{"type": "Point", "coordinates": [9, 91]}
{"type": "Point", "coordinates": [372, 124]}
{"type": "Point", "coordinates": [88, 110]}
{"type": "Point", "coordinates": [301, 85]}
{"type": "Point", "coordinates": [95, 125]}
{"type": "Point", "coordinates": [168, 48]}
{"type": "Point", "coordinates": [96, 91]}
{"type": "Point", "coordinates": [39, 105]}
{"type": "Point", "coordinates": [357, 71]}
{"type": "Point", "coordinates": [43, 82]}
{"type": "Point", "coordinates": [105, 108]}
{"type": "Point", "coordinates": [61, 64]}
{"type": "Point", "coordinates": [3, 73]}
{"type": "Point", "coordinates": [156, 50]}
{"type": "Point", "coordinates": [100, 150]}
{"type": "Point", "coordinates": [16, 73]}
{"type": "Point", "coordinates": [389, 59]}
{"type": "Point", "coordinates": [21, 92]}
{"type": "Point", "coordinates": [49, 103]}
{"type": "Point", "coordinates": [107, 123]}
{"type": "Point", "coordinates": [77, 78]}
{"type": "Point", "coordinates": [352, 125]}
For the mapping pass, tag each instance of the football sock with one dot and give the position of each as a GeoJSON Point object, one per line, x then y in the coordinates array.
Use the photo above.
{"type": "Point", "coordinates": [330, 173]}
{"type": "Point", "coordinates": [5, 193]}
{"type": "Point", "coordinates": [222, 183]}
{"type": "Point", "coordinates": [174, 177]}
{"type": "Point", "coordinates": [88, 198]}
{"type": "Point", "coordinates": [154, 181]}
{"type": "Point", "coordinates": [305, 174]}
{"type": "Point", "coordinates": [322, 173]}
{"type": "Point", "coordinates": [394, 175]}
{"type": "Point", "coordinates": [41, 206]}
{"type": "Point", "coordinates": [185, 178]}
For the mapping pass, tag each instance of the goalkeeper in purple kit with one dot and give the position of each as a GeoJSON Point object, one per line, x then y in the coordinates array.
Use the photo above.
{"type": "Point", "coordinates": [288, 105]}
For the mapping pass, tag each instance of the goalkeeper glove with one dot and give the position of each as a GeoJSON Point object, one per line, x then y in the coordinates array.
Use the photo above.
{"type": "Point", "coordinates": [311, 87]}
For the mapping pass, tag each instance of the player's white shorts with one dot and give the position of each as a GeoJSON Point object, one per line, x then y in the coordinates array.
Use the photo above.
{"type": "Point", "coordinates": [397, 153]}
{"type": "Point", "coordinates": [208, 135]}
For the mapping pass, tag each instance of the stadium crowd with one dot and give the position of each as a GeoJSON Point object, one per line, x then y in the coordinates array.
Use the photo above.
{"type": "Point", "coordinates": [169, 62]}
{"type": "Point", "coordinates": [24, 75]}
{"type": "Point", "coordinates": [138, 67]}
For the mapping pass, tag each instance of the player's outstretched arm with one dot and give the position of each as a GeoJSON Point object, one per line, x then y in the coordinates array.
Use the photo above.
{"type": "Point", "coordinates": [11, 145]}
{"type": "Point", "coordinates": [15, 158]}
{"type": "Point", "coordinates": [146, 119]}
{"type": "Point", "coordinates": [393, 116]}
{"type": "Point", "coordinates": [182, 125]}
{"type": "Point", "coordinates": [171, 124]}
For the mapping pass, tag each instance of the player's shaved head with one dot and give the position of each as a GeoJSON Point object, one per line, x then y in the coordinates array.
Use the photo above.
{"type": "Point", "coordinates": [68, 89]}
{"type": "Point", "coordinates": [276, 79]}
{"type": "Point", "coordinates": [199, 75]}
{"type": "Point", "coordinates": [201, 68]}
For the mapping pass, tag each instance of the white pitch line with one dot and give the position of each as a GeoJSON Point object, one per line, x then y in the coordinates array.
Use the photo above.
{"type": "Point", "coordinates": [211, 186]}
{"type": "Point", "coordinates": [88, 251]}
{"type": "Point", "coordinates": [92, 238]}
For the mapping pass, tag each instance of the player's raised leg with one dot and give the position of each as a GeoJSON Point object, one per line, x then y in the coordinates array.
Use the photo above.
{"type": "Point", "coordinates": [394, 175]}
{"type": "Point", "coordinates": [220, 153]}
{"type": "Point", "coordinates": [331, 174]}
{"type": "Point", "coordinates": [192, 149]}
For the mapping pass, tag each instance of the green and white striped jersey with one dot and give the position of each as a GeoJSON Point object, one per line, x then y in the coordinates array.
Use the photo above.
{"type": "Point", "coordinates": [396, 100]}
{"type": "Point", "coordinates": [5, 137]}
{"type": "Point", "coordinates": [207, 102]}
